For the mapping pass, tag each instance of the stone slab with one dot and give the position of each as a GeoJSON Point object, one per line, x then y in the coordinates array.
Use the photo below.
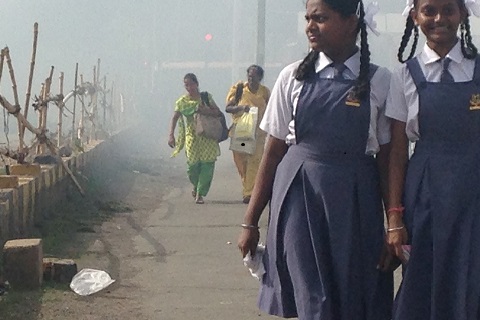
{"type": "Point", "coordinates": [7, 182]}
{"type": "Point", "coordinates": [23, 263]}
{"type": "Point", "coordinates": [25, 170]}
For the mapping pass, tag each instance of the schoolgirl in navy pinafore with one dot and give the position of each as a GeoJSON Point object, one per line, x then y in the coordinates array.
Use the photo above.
{"type": "Point", "coordinates": [442, 204]}
{"type": "Point", "coordinates": [325, 233]}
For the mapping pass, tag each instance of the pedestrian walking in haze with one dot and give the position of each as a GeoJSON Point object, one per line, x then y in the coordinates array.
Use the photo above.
{"type": "Point", "coordinates": [434, 101]}
{"type": "Point", "coordinates": [240, 98]}
{"type": "Point", "coordinates": [323, 169]}
{"type": "Point", "coordinates": [201, 152]}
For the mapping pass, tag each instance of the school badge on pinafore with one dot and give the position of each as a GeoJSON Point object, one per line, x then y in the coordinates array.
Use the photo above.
{"type": "Point", "coordinates": [475, 102]}
{"type": "Point", "coordinates": [352, 100]}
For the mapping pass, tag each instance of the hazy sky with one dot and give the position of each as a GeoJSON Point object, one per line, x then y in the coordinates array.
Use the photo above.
{"type": "Point", "coordinates": [144, 44]}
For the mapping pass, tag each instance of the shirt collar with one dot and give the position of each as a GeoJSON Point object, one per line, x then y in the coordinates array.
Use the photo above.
{"type": "Point", "coordinates": [352, 63]}
{"type": "Point", "coordinates": [429, 56]}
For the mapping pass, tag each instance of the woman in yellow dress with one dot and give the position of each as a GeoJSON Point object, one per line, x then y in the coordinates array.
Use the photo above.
{"type": "Point", "coordinates": [254, 94]}
{"type": "Point", "coordinates": [201, 152]}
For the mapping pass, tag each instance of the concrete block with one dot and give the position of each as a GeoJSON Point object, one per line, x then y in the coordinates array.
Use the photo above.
{"type": "Point", "coordinates": [59, 270]}
{"type": "Point", "coordinates": [4, 217]}
{"type": "Point", "coordinates": [80, 162]}
{"type": "Point", "coordinates": [11, 195]}
{"type": "Point", "coordinates": [29, 202]}
{"type": "Point", "coordinates": [61, 172]}
{"type": "Point", "coordinates": [25, 170]}
{"type": "Point", "coordinates": [26, 197]}
{"type": "Point", "coordinates": [7, 182]}
{"type": "Point", "coordinates": [46, 178]}
{"type": "Point", "coordinates": [23, 263]}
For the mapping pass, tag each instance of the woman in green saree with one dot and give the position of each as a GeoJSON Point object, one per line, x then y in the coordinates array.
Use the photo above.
{"type": "Point", "coordinates": [201, 152]}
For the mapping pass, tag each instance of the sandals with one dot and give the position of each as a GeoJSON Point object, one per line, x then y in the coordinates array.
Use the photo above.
{"type": "Point", "coordinates": [199, 200]}
{"type": "Point", "coordinates": [194, 193]}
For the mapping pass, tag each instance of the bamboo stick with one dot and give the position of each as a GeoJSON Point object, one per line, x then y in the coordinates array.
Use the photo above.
{"type": "Point", "coordinates": [40, 115]}
{"type": "Point", "coordinates": [98, 70]}
{"type": "Point", "coordinates": [104, 102]}
{"type": "Point", "coordinates": [82, 115]}
{"type": "Point", "coordinates": [75, 102]}
{"type": "Point", "coordinates": [15, 94]}
{"type": "Point", "coordinates": [41, 137]}
{"type": "Point", "coordinates": [60, 113]}
{"type": "Point", "coordinates": [30, 77]}
{"type": "Point", "coordinates": [2, 59]}
{"type": "Point", "coordinates": [112, 109]}
{"type": "Point", "coordinates": [44, 109]}
{"type": "Point", "coordinates": [93, 112]}
{"type": "Point", "coordinates": [12, 75]}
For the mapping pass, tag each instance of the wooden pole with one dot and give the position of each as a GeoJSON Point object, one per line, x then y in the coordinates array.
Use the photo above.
{"type": "Point", "coordinates": [93, 113]}
{"type": "Point", "coordinates": [44, 107]}
{"type": "Point", "coordinates": [74, 102]}
{"type": "Point", "coordinates": [15, 95]}
{"type": "Point", "coordinates": [2, 59]}
{"type": "Point", "coordinates": [98, 70]}
{"type": "Point", "coordinates": [112, 109]}
{"type": "Point", "coordinates": [15, 110]}
{"type": "Point", "coordinates": [60, 113]}
{"type": "Point", "coordinates": [30, 77]}
{"type": "Point", "coordinates": [40, 115]}
{"type": "Point", "coordinates": [104, 102]}
{"type": "Point", "coordinates": [82, 117]}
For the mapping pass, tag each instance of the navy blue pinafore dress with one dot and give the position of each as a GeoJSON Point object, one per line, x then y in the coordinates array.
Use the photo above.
{"type": "Point", "coordinates": [442, 204]}
{"type": "Point", "coordinates": [325, 232]}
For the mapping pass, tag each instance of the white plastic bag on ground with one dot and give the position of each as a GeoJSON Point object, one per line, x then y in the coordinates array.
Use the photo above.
{"type": "Point", "coordinates": [255, 264]}
{"type": "Point", "coordinates": [89, 281]}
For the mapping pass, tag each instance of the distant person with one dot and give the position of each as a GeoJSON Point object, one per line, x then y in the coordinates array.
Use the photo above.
{"type": "Point", "coordinates": [240, 98]}
{"type": "Point", "coordinates": [324, 173]}
{"type": "Point", "coordinates": [434, 101]}
{"type": "Point", "coordinates": [201, 152]}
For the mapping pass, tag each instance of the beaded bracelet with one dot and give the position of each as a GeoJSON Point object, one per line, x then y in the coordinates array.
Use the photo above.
{"type": "Point", "coordinates": [249, 226]}
{"type": "Point", "coordinates": [396, 209]}
{"type": "Point", "coordinates": [395, 229]}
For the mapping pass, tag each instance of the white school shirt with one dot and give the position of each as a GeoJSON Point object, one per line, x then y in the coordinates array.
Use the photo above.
{"type": "Point", "coordinates": [279, 122]}
{"type": "Point", "coordinates": [403, 100]}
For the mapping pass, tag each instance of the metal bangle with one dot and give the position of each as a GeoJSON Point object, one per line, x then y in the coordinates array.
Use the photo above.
{"type": "Point", "coordinates": [395, 229]}
{"type": "Point", "coordinates": [249, 226]}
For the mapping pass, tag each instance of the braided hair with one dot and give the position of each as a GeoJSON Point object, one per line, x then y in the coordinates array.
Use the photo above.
{"type": "Point", "coordinates": [409, 28]}
{"type": "Point", "coordinates": [346, 8]}
{"type": "Point", "coordinates": [468, 48]}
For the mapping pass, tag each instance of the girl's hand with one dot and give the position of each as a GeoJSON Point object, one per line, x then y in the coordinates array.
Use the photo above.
{"type": "Point", "coordinates": [396, 238]}
{"type": "Point", "coordinates": [387, 262]}
{"type": "Point", "coordinates": [248, 241]}
{"type": "Point", "coordinates": [171, 141]}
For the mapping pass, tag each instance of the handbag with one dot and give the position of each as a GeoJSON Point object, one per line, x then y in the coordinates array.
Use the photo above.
{"type": "Point", "coordinates": [246, 126]}
{"type": "Point", "coordinates": [243, 137]}
{"type": "Point", "coordinates": [211, 127]}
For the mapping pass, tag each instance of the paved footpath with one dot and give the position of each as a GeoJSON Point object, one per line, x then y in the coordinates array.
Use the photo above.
{"type": "Point", "coordinates": [201, 274]}
{"type": "Point", "coordinates": [172, 259]}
